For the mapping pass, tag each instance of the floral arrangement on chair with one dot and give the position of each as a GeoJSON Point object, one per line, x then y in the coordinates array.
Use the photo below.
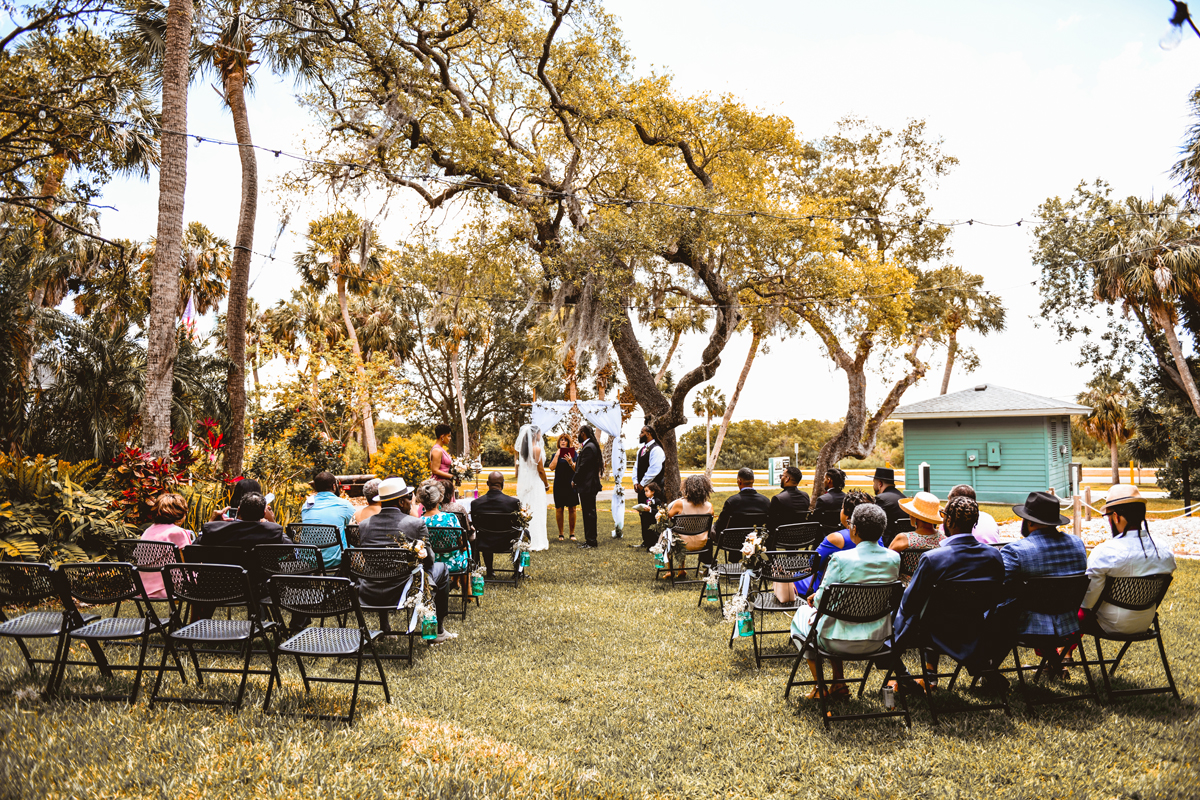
{"type": "Point", "coordinates": [525, 515]}
{"type": "Point", "coordinates": [754, 549]}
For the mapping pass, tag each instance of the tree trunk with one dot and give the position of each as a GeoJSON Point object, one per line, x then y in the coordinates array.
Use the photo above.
{"type": "Point", "coordinates": [462, 406]}
{"type": "Point", "coordinates": [951, 352]}
{"type": "Point", "coordinates": [239, 277]}
{"type": "Point", "coordinates": [721, 431]}
{"type": "Point", "coordinates": [708, 469]}
{"type": "Point", "coordinates": [1114, 449]}
{"type": "Point", "coordinates": [1185, 373]}
{"type": "Point", "coordinates": [364, 401]}
{"type": "Point", "coordinates": [662, 368]}
{"type": "Point", "coordinates": [164, 275]}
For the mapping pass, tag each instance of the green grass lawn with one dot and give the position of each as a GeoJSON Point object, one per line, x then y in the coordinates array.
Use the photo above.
{"type": "Point", "coordinates": [590, 681]}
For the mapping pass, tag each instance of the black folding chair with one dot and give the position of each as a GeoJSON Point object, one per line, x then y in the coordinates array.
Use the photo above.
{"type": "Point", "coordinates": [219, 554]}
{"type": "Point", "coordinates": [902, 525]}
{"type": "Point", "coordinates": [1134, 594]}
{"type": "Point", "coordinates": [25, 584]}
{"type": "Point", "coordinates": [448, 540]}
{"type": "Point", "coordinates": [961, 605]}
{"type": "Point", "coordinates": [496, 535]}
{"type": "Point", "coordinates": [321, 597]}
{"type": "Point", "coordinates": [729, 543]}
{"type": "Point", "coordinates": [908, 562]}
{"type": "Point", "coordinates": [147, 555]}
{"type": "Point", "coordinates": [218, 585]}
{"type": "Point", "coordinates": [782, 566]}
{"type": "Point", "coordinates": [853, 603]}
{"type": "Point", "coordinates": [1060, 594]}
{"type": "Point", "coordinates": [796, 536]}
{"type": "Point", "coordinates": [322, 536]}
{"type": "Point", "coordinates": [688, 525]}
{"type": "Point", "coordinates": [107, 583]}
{"type": "Point", "coordinates": [353, 535]}
{"type": "Point", "coordinates": [392, 566]}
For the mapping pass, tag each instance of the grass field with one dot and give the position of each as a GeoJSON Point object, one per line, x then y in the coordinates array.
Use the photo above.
{"type": "Point", "coordinates": [590, 682]}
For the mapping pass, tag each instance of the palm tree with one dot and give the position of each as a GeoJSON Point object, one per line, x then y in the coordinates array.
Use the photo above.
{"type": "Point", "coordinates": [340, 250]}
{"type": "Point", "coordinates": [172, 183]}
{"type": "Point", "coordinates": [711, 403]}
{"type": "Point", "coordinates": [1148, 261]}
{"type": "Point", "coordinates": [1109, 421]}
{"type": "Point", "coordinates": [965, 307]}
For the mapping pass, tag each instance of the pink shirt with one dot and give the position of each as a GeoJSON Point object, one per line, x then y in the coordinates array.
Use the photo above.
{"type": "Point", "coordinates": [162, 532]}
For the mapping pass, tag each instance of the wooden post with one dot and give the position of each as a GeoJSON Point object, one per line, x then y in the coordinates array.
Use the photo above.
{"type": "Point", "coordinates": [1076, 516]}
{"type": "Point", "coordinates": [1087, 498]}
{"type": "Point", "coordinates": [1187, 487]}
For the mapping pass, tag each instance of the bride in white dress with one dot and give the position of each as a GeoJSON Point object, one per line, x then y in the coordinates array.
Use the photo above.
{"type": "Point", "coordinates": [532, 484]}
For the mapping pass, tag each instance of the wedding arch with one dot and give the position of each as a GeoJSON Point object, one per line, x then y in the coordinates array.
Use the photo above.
{"type": "Point", "coordinates": [604, 415]}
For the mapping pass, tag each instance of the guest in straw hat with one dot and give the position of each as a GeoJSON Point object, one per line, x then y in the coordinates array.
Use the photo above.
{"type": "Point", "coordinates": [925, 511]}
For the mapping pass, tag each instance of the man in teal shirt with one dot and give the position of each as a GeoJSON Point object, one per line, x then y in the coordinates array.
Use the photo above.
{"type": "Point", "coordinates": [326, 508]}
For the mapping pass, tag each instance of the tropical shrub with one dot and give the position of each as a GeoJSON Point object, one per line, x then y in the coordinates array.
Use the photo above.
{"type": "Point", "coordinates": [354, 458]}
{"type": "Point", "coordinates": [291, 443]}
{"type": "Point", "coordinates": [496, 451]}
{"type": "Point", "coordinates": [137, 478]}
{"type": "Point", "coordinates": [406, 457]}
{"type": "Point", "coordinates": [53, 512]}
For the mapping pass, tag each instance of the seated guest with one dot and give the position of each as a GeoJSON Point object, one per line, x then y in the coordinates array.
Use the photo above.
{"type": "Point", "coordinates": [450, 504]}
{"type": "Point", "coordinates": [833, 543]}
{"type": "Point", "coordinates": [249, 529]}
{"type": "Point", "coordinates": [924, 509]}
{"type": "Point", "coordinates": [429, 495]}
{"type": "Point", "coordinates": [495, 501]}
{"type": "Point", "coordinates": [866, 563]}
{"type": "Point", "coordinates": [791, 504]}
{"type": "Point", "coordinates": [167, 512]}
{"type": "Point", "coordinates": [696, 491]}
{"type": "Point", "coordinates": [240, 489]}
{"type": "Point", "coordinates": [1131, 552]}
{"type": "Point", "coordinates": [986, 530]}
{"type": "Point", "coordinates": [960, 558]}
{"type": "Point", "coordinates": [827, 510]}
{"type": "Point", "coordinates": [746, 502]}
{"type": "Point", "coordinates": [371, 495]}
{"type": "Point", "coordinates": [888, 497]}
{"type": "Point", "coordinates": [326, 508]}
{"type": "Point", "coordinates": [393, 525]}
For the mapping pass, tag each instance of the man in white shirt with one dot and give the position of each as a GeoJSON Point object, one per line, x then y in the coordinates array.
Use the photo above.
{"type": "Point", "coordinates": [986, 530]}
{"type": "Point", "coordinates": [1132, 552]}
{"type": "Point", "coordinates": [649, 469]}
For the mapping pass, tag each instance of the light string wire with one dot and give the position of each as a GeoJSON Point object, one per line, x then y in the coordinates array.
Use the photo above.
{"type": "Point", "coordinates": [628, 203]}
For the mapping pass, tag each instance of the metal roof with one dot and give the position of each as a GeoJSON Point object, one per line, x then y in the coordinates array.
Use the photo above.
{"type": "Point", "coordinates": [987, 400]}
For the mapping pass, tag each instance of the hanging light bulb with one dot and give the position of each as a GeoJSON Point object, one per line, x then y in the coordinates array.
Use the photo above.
{"type": "Point", "coordinates": [199, 140]}
{"type": "Point", "coordinates": [628, 206]}
{"type": "Point", "coordinates": [41, 113]}
{"type": "Point", "coordinates": [811, 223]}
{"type": "Point", "coordinates": [753, 217]}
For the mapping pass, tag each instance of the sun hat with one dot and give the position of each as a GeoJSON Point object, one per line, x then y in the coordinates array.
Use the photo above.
{"type": "Point", "coordinates": [1042, 508]}
{"type": "Point", "coordinates": [393, 489]}
{"type": "Point", "coordinates": [924, 506]}
{"type": "Point", "coordinates": [1121, 494]}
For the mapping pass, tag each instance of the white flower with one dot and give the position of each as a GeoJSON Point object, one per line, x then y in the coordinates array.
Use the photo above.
{"type": "Point", "coordinates": [748, 548]}
{"type": "Point", "coordinates": [26, 694]}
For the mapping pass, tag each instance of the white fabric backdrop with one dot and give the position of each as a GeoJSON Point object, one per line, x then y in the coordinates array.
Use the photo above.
{"type": "Point", "coordinates": [548, 413]}
{"type": "Point", "coordinates": [604, 415]}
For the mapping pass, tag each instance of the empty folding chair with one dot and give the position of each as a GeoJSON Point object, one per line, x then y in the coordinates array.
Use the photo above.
{"type": "Point", "coordinates": [326, 537]}
{"type": "Point", "coordinates": [1134, 594]}
{"type": "Point", "coordinates": [27, 584]}
{"type": "Point", "coordinates": [107, 583]}
{"type": "Point", "coordinates": [216, 585]}
{"type": "Point", "coordinates": [321, 597]}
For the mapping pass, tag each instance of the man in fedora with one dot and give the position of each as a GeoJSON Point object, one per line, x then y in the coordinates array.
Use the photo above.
{"type": "Point", "coordinates": [394, 525]}
{"type": "Point", "coordinates": [1045, 551]}
{"type": "Point", "coordinates": [888, 497]}
{"type": "Point", "coordinates": [1131, 552]}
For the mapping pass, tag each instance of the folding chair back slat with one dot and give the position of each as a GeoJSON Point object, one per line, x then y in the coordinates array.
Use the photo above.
{"type": "Point", "coordinates": [208, 554]}
{"type": "Point", "coordinates": [798, 536]}
{"type": "Point", "coordinates": [217, 584]}
{"type": "Point", "coordinates": [447, 538]}
{"type": "Point", "coordinates": [103, 583]}
{"type": "Point", "coordinates": [313, 596]}
{"type": "Point", "coordinates": [147, 554]}
{"type": "Point", "coordinates": [860, 602]}
{"type": "Point", "coordinates": [381, 563]}
{"type": "Point", "coordinates": [1056, 594]}
{"type": "Point", "coordinates": [1136, 593]}
{"type": "Point", "coordinates": [731, 540]}
{"type": "Point", "coordinates": [783, 566]}
{"type": "Point", "coordinates": [909, 559]}
{"type": "Point", "coordinates": [353, 535]}
{"type": "Point", "coordinates": [495, 532]}
{"type": "Point", "coordinates": [289, 559]}
{"type": "Point", "coordinates": [26, 583]}
{"type": "Point", "coordinates": [691, 524]}
{"type": "Point", "coordinates": [311, 533]}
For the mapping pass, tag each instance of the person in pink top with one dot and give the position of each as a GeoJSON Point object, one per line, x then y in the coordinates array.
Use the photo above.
{"type": "Point", "coordinates": [168, 511]}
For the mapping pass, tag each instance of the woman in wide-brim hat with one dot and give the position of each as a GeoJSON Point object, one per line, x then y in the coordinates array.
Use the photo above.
{"type": "Point", "coordinates": [925, 511]}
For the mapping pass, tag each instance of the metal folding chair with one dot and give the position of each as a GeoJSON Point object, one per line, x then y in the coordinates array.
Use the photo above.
{"type": "Point", "coordinates": [217, 585]}
{"type": "Point", "coordinates": [106, 583]}
{"type": "Point", "coordinates": [688, 525]}
{"type": "Point", "coordinates": [908, 562]}
{"type": "Point", "coordinates": [496, 535]}
{"type": "Point", "coordinates": [322, 536]}
{"type": "Point", "coordinates": [782, 566]}
{"type": "Point", "coordinates": [1060, 594]}
{"type": "Point", "coordinates": [1134, 594]}
{"type": "Point", "coordinates": [26, 584]}
{"type": "Point", "coordinates": [854, 603]}
{"type": "Point", "coordinates": [321, 597]}
{"type": "Point", "coordinates": [448, 540]}
{"type": "Point", "coordinates": [390, 565]}
{"type": "Point", "coordinates": [729, 543]}
{"type": "Point", "coordinates": [353, 535]}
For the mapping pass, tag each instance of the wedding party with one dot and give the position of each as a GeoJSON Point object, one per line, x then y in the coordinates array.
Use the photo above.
{"type": "Point", "coordinates": [595, 399]}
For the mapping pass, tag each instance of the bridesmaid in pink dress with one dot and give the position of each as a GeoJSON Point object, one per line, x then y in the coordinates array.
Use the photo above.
{"type": "Point", "coordinates": [168, 511]}
{"type": "Point", "coordinates": [439, 456]}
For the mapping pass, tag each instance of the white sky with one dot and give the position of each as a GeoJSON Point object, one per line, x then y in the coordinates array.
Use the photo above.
{"type": "Point", "coordinates": [1032, 97]}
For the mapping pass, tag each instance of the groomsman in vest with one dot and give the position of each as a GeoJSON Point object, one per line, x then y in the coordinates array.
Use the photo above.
{"type": "Point", "coordinates": [888, 497]}
{"type": "Point", "coordinates": [649, 468]}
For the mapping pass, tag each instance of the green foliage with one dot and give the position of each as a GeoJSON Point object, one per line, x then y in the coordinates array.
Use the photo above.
{"type": "Point", "coordinates": [354, 458]}
{"type": "Point", "coordinates": [138, 479]}
{"type": "Point", "coordinates": [50, 514]}
{"type": "Point", "coordinates": [496, 451]}
{"type": "Point", "coordinates": [292, 444]}
{"type": "Point", "coordinates": [406, 457]}
{"type": "Point", "coordinates": [387, 428]}
{"type": "Point", "coordinates": [751, 442]}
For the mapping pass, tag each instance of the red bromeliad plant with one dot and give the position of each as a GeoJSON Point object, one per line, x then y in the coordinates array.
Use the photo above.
{"type": "Point", "coordinates": [208, 453]}
{"type": "Point", "coordinates": [138, 478]}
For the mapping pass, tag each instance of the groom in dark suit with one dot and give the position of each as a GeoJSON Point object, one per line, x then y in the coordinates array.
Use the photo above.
{"type": "Point", "coordinates": [587, 483]}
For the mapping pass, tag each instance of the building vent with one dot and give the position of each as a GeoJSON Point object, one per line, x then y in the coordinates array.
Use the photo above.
{"type": "Point", "coordinates": [981, 387]}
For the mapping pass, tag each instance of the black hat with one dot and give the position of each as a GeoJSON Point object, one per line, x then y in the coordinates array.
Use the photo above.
{"type": "Point", "coordinates": [1042, 508]}
{"type": "Point", "coordinates": [884, 474]}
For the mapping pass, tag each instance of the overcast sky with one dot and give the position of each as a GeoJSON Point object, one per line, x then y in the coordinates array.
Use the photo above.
{"type": "Point", "coordinates": [1032, 97]}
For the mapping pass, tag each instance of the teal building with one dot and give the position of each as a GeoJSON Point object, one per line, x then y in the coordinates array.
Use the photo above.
{"type": "Point", "coordinates": [1002, 442]}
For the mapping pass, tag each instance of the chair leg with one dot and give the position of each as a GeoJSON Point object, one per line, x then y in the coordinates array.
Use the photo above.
{"type": "Point", "coordinates": [357, 680]}
{"type": "Point", "coordinates": [137, 679]}
{"type": "Point", "coordinates": [1162, 651]}
{"type": "Point", "coordinates": [245, 672]}
{"type": "Point", "coordinates": [28, 658]}
{"type": "Point", "coordinates": [60, 655]}
{"type": "Point", "coordinates": [1087, 672]}
{"type": "Point", "coordinates": [162, 666]}
{"type": "Point", "coordinates": [387, 695]}
{"type": "Point", "coordinates": [903, 696]}
{"type": "Point", "coordinates": [822, 691]}
{"type": "Point", "coordinates": [787, 690]}
{"type": "Point", "coordinates": [1117, 661]}
{"type": "Point", "coordinates": [1021, 680]}
{"type": "Point", "coordinates": [303, 674]}
{"type": "Point", "coordinates": [928, 685]}
{"type": "Point", "coordinates": [1100, 663]}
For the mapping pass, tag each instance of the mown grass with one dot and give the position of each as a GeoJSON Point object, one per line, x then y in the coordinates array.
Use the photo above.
{"type": "Point", "coordinates": [588, 682]}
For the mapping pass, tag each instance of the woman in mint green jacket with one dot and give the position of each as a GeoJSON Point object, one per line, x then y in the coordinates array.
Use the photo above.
{"type": "Point", "coordinates": [866, 563]}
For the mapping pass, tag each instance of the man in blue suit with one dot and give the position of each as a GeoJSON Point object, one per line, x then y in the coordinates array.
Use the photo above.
{"type": "Point", "coordinates": [961, 557]}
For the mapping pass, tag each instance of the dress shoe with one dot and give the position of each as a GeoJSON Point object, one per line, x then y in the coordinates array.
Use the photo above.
{"type": "Point", "coordinates": [587, 546]}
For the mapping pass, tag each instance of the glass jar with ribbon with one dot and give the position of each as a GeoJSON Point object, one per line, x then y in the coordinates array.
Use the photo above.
{"type": "Point", "coordinates": [745, 624]}
{"type": "Point", "coordinates": [429, 625]}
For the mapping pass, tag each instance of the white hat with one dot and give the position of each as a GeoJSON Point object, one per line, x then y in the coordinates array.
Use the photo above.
{"type": "Point", "coordinates": [393, 489]}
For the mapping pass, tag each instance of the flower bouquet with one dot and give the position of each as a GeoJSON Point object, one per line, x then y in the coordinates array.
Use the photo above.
{"type": "Point", "coordinates": [754, 549]}
{"type": "Point", "coordinates": [464, 468]}
{"type": "Point", "coordinates": [420, 600]}
{"type": "Point", "coordinates": [712, 588]}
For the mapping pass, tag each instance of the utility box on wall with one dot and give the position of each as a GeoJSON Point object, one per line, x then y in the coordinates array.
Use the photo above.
{"type": "Point", "coordinates": [972, 458]}
{"type": "Point", "coordinates": [993, 454]}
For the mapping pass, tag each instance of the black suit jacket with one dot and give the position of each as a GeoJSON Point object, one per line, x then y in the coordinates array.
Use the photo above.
{"type": "Point", "coordinates": [828, 508]}
{"type": "Point", "coordinates": [494, 502]}
{"type": "Point", "coordinates": [747, 501]}
{"type": "Point", "coordinates": [385, 529]}
{"type": "Point", "coordinates": [952, 631]}
{"type": "Point", "coordinates": [889, 500]}
{"type": "Point", "coordinates": [790, 505]}
{"type": "Point", "coordinates": [242, 533]}
{"type": "Point", "coordinates": [587, 468]}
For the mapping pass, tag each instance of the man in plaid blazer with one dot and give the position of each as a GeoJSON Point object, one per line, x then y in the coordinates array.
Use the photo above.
{"type": "Point", "coordinates": [1044, 552]}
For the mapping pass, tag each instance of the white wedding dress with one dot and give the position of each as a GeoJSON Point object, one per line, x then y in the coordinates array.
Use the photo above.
{"type": "Point", "coordinates": [530, 489]}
